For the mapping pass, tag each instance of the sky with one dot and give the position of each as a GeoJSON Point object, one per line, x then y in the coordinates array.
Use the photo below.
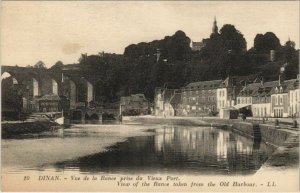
{"type": "Point", "coordinates": [61, 30]}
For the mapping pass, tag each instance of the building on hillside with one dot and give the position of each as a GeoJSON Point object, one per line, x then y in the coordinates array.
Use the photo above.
{"type": "Point", "coordinates": [230, 88]}
{"type": "Point", "coordinates": [136, 104]}
{"type": "Point", "coordinates": [48, 103]}
{"type": "Point", "coordinates": [197, 46]}
{"type": "Point", "coordinates": [162, 99]}
{"type": "Point", "coordinates": [294, 98]}
{"type": "Point", "coordinates": [280, 98]}
{"type": "Point", "coordinates": [200, 98]}
{"type": "Point", "coordinates": [176, 103]}
{"type": "Point", "coordinates": [158, 101]}
{"type": "Point", "coordinates": [167, 94]}
{"type": "Point", "coordinates": [261, 99]}
{"type": "Point", "coordinates": [244, 98]}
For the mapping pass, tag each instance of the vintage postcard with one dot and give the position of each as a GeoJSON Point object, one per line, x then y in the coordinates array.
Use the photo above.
{"type": "Point", "coordinates": [150, 96]}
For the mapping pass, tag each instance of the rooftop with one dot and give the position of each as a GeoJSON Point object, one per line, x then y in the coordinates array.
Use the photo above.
{"type": "Point", "coordinates": [212, 84]}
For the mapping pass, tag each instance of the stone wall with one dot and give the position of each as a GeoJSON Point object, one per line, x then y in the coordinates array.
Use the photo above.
{"type": "Point", "coordinates": [269, 134]}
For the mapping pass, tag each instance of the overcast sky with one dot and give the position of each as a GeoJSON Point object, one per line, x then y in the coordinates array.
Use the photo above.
{"type": "Point", "coordinates": [52, 31]}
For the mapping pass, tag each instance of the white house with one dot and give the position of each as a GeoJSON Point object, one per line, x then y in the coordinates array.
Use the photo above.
{"type": "Point", "coordinates": [294, 101]}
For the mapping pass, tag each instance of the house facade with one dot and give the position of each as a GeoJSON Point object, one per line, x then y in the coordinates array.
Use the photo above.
{"type": "Point", "coordinates": [247, 94]}
{"type": "Point", "coordinates": [200, 98]}
{"type": "Point", "coordinates": [158, 101]}
{"type": "Point", "coordinates": [294, 101]}
{"type": "Point", "coordinates": [176, 103]}
{"type": "Point", "coordinates": [136, 104]}
{"type": "Point", "coordinates": [279, 102]}
{"type": "Point", "coordinates": [226, 93]}
{"type": "Point", "coordinates": [162, 101]}
{"type": "Point", "coordinates": [49, 103]}
{"type": "Point", "coordinates": [168, 109]}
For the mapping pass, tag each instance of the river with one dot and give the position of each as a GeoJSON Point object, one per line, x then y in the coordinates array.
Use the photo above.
{"type": "Point", "coordinates": [135, 149]}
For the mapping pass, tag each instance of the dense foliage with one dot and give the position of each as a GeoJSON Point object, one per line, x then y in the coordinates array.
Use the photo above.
{"type": "Point", "coordinates": [171, 62]}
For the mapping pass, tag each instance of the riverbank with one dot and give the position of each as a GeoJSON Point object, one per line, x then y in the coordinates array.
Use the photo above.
{"type": "Point", "coordinates": [154, 120]}
{"type": "Point", "coordinates": [282, 137]}
{"type": "Point", "coordinates": [15, 129]}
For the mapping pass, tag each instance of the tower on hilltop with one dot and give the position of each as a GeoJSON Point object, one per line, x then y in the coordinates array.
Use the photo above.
{"type": "Point", "coordinates": [215, 27]}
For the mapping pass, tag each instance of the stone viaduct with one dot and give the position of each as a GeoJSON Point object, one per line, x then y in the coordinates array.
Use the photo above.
{"type": "Point", "coordinates": [69, 83]}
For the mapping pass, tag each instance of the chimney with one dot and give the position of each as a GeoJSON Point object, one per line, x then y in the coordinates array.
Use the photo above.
{"type": "Point", "coordinates": [262, 81]}
{"type": "Point", "coordinates": [272, 55]}
{"type": "Point", "coordinates": [158, 53]}
{"type": "Point", "coordinates": [234, 81]}
{"type": "Point", "coordinates": [281, 79]}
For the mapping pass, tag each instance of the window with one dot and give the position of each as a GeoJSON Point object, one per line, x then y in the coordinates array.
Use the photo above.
{"type": "Point", "coordinates": [194, 98]}
{"type": "Point", "coordinates": [281, 100]}
{"type": "Point", "coordinates": [238, 101]}
{"type": "Point", "coordinates": [193, 107]}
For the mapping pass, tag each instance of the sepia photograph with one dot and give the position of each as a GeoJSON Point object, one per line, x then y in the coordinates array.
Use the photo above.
{"type": "Point", "coordinates": [150, 96]}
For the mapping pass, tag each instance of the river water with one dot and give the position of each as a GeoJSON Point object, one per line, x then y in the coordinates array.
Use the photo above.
{"type": "Point", "coordinates": [135, 149]}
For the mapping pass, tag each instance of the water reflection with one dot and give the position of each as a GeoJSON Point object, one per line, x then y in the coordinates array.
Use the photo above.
{"type": "Point", "coordinates": [177, 149]}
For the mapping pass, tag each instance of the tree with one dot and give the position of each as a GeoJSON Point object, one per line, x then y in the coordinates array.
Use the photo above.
{"type": "Point", "coordinates": [264, 43]}
{"type": "Point", "coordinates": [233, 39]}
{"type": "Point", "coordinates": [57, 66]}
{"type": "Point", "coordinates": [289, 50]}
{"type": "Point", "coordinates": [223, 55]}
{"type": "Point", "coordinates": [291, 56]}
{"type": "Point", "coordinates": [40, 64]}
{"type": "Point", "coordinates": [176, 47]}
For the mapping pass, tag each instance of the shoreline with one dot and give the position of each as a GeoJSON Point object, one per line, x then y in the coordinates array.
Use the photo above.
{"type": "Point", "coordinates": [286, 141]}
{"type": "Point", "coordinates": [16, 129]}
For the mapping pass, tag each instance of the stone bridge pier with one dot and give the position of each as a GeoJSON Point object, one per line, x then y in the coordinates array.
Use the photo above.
{"type": "Point", "coordinates": [88, 114]}
{"type": "Point", "coordinates": [38, 86]}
